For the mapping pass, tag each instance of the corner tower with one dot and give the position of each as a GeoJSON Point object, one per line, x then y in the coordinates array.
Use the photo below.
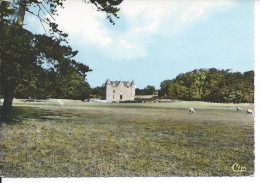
{"type": "Point", "coordinates": [133, 89]}
{"type": "Point", "coordinates": [108, 89]}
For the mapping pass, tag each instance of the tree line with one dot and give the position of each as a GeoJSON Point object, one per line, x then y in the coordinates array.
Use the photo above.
{"type": "Point", "coordinates": [200, 85]}
{"type": "Point", "coordinates": [61, 82]}
{"type": "Point", "coordinates": [148, 90]}
{"type": "Point", "coordinates": [210, 85]}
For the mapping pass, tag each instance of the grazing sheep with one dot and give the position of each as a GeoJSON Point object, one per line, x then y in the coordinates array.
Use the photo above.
{"type": "Point", "coordinates": [191, 110]}
{"type": "Point", "coordinates": [60, 102]}
{"type": "Point", "coordinates": [239, 109]}
{"type": "Point", "coordinates": [249, 111]}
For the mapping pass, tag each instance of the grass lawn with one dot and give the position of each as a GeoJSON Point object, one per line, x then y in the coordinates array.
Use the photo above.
{"type": "Point", "coordinates": [93, 139]}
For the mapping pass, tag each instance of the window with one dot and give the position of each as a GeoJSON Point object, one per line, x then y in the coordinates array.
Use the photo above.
{"type": "Point", "coordinates": [113, 96]}
{"type": "Point", "coordinates": [114, 91]}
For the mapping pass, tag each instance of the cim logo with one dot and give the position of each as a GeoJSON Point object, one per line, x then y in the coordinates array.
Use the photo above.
{"type": "Point", "coordinates": [237, 168]}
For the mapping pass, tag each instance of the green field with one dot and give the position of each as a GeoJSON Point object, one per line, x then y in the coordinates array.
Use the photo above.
{"type": "Point", "coordinates": [149, 139]}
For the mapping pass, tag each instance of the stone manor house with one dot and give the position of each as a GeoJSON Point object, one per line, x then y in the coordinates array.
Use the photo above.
{"type": "Point", "coordinates": [119, 90]}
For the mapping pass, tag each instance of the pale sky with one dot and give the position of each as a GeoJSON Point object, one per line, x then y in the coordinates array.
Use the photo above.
{"type": "Point", "coordinates": [155, 40]}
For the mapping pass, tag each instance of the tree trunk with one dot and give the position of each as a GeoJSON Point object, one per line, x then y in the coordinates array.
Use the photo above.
{"type": "Point", "coordinates": [21, 12]}
{"type": "Point", "coordinates": [1, 19]}
{"type": "Point", "coordinates": [8, 101]}
{"type": "Point", "coordinates": [1, 16]}
{"type": "Point", "coordinates": [9, 91]}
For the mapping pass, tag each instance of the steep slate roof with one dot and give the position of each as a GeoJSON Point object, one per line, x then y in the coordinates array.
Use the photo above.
{"type": "Point", "coordinates": [116, 83]}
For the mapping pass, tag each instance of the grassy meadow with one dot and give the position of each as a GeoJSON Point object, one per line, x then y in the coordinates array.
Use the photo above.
{"type": "Point", "coordinates": [149, 139]}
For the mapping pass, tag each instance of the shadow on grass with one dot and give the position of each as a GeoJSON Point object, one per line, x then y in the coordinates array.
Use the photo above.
{"type": "Point", "coordinates": [20, 114]}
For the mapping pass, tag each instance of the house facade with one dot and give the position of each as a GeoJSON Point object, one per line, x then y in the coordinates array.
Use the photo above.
{"type": "Point", "coordinates": [119, 90]}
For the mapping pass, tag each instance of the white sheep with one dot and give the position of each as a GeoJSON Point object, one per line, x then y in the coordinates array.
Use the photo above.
{"type": "Point", "coordinates": [191, 110]}
{"type": "Point", "coordinates": [239, 109]}
{"type": "Point", "coordinates": [249, 111]}
{"type": "Point", "coordinates": [60, 102]}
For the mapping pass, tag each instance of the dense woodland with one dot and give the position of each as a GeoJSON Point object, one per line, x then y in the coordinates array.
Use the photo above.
{"type": "Point", "coordinates": [67, 84]}
{"type": "Point", "coordinates": [148, 90]}
{"type": "Point", "coordinates": [210, 85]}
{"type": "Point", "coordinates": [198, 85]}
